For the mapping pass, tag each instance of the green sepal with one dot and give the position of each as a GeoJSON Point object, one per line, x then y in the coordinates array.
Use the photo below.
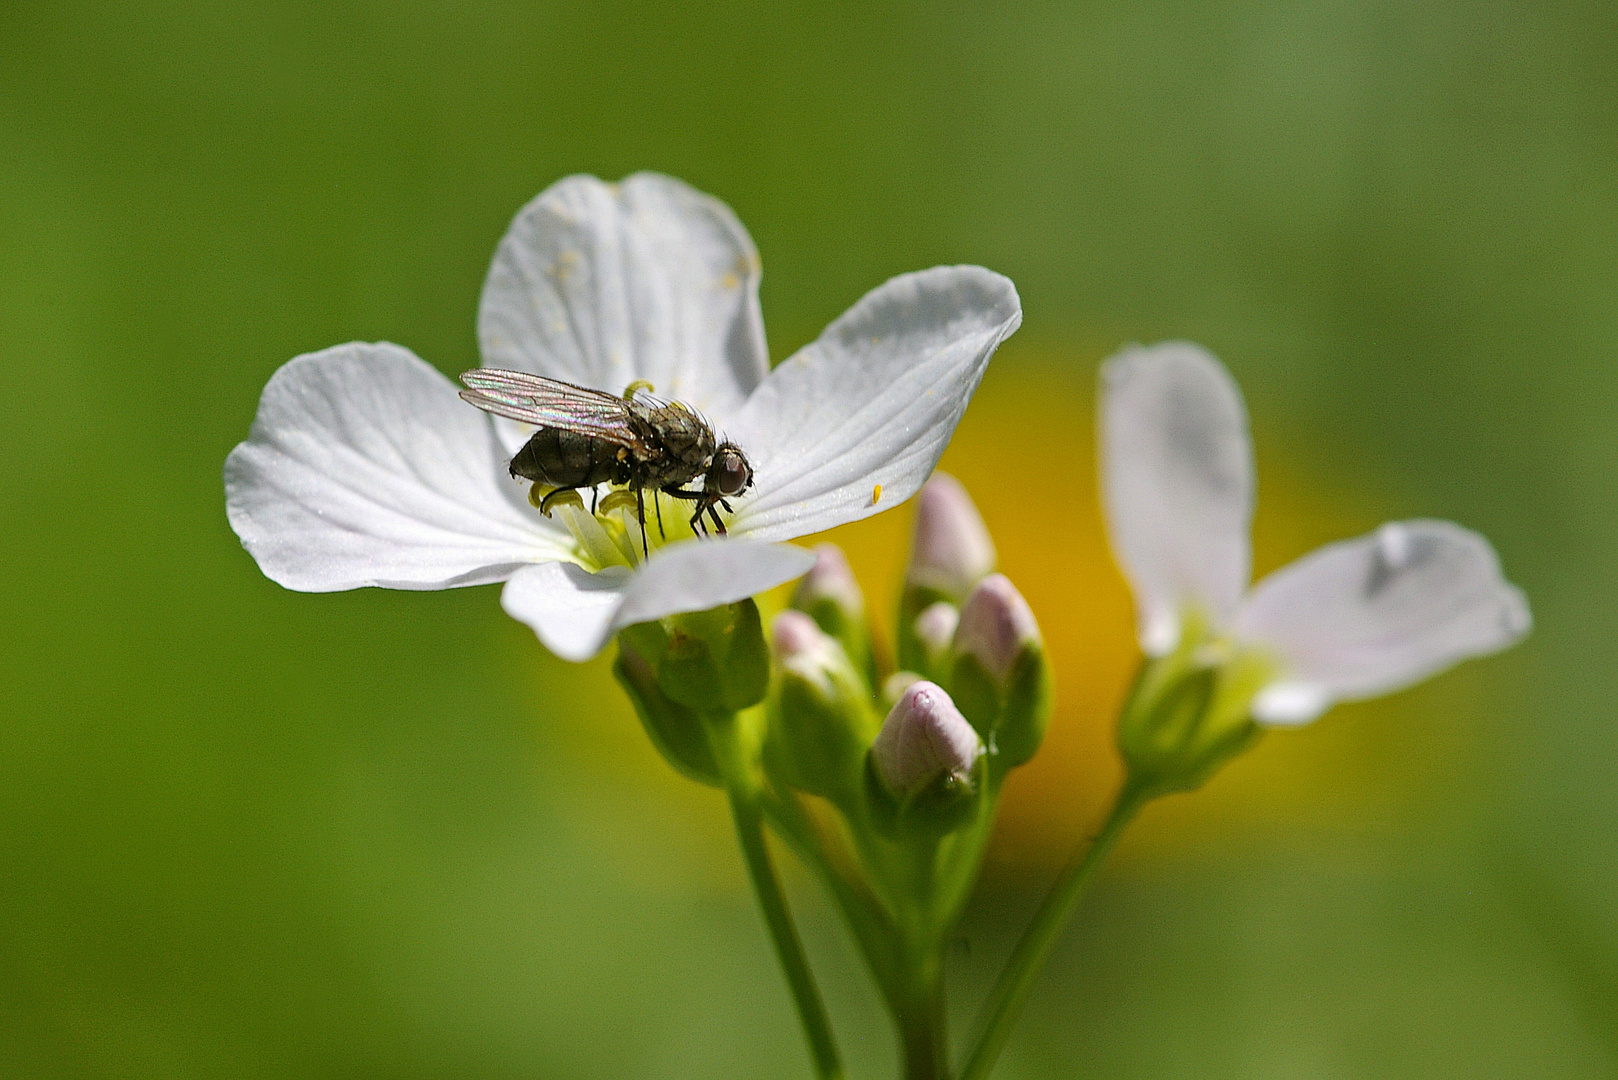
{"type": "Point", "coordinates": [716, 661]}
{"type": "Point", "coordinates": [1011, 719]}
{"type": "Point", "coordinates": [1026, 713]}
{"type": "Point", "coordinates": [942, 807]}
{"type": "Point", "coordinates": [1183, 720]}
{"type": "Point", "coordinates": [913, 655]}
{"type": "Point", "coordinates": [676, 731]}
{"type": "Point", "coordinates": [819, 732]}
{"type": "Point", "coordinates": [976, 694]}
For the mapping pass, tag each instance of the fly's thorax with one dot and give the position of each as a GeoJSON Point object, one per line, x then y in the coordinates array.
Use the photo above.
{"type": "Point", "coordinates": [685, 439]}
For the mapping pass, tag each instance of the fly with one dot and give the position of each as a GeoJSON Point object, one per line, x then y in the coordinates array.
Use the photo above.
{"type": "Point", "coordinates": [589, 437]}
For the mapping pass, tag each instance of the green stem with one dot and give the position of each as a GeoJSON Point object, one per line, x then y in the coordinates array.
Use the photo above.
{"type": "Point", "coordinates": [867, 918]}
{"type": "Point", "coordinates": [1028, 958]}
{"type": "Point", "coordinates": [920, 1018]}
{"type": "Point", "coordinates": [744, 810]}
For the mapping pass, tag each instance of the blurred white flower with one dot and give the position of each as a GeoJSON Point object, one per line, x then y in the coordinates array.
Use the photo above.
{"type": "Point", "coordinates": [363, 466]}
{"type": "Point", "coordinates": [1354, 619]}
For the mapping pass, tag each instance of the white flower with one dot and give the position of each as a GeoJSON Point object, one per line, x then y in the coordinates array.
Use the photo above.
{"type": "Point", "coordinates": [1355, 619]}
{"type": "Point", "coordinates": [363, 467]}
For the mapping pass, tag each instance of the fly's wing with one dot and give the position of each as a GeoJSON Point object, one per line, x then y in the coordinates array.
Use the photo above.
{"type": "Point", "coordinates": [534, 399]}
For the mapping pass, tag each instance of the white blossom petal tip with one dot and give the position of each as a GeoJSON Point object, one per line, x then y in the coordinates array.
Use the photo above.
{"type": "Point", "coordinates": [1368, 616]}
{"type": "Point", "coordinates": [575, 612]}
{"type": "Point", "coordinates": [363, 467]}
{"type": "Point", "coordinates": [1177, 481]}
{"type": "Point", "coordinates": [604, 284]}
{"type": "Point", "coordinates": [854, 422]}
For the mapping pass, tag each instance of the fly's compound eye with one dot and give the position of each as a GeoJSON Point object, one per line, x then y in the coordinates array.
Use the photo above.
{"type": "Point", "coordinates": [732, 474]}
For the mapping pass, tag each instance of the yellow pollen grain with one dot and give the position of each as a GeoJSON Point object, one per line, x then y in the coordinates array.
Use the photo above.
{"type": "Point", "coordinates": [876, 494]}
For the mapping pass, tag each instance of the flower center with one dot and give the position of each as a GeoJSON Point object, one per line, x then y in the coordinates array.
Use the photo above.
{"type": "Point", "coordinates": [612, 535]}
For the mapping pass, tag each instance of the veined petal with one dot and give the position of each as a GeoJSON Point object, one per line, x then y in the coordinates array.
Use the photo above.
{"type": "Point", "coordinates": [1177, 477]}
{"type": "Point", "coordinates": [363, 467]}
{"type": "Point", "coordinates": [603, 284]}
{"type": "Point", "coordinates": [872, 401]}
{"type": "Point", "coordinates": [1374, 614]}
{"type": "Point", "coordinates": [574, 612]}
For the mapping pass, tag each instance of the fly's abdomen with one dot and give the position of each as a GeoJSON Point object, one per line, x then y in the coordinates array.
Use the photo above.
{"type": "Point", "coordinates": [566, 459]}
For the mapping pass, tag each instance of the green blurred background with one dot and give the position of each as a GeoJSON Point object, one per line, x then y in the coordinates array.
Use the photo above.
{"type": "Point", "coordinates": [250, 833]}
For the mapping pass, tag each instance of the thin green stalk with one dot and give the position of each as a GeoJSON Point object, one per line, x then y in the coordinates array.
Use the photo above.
{"type": "Point", "coordinates": [920, 1018]}
{"type": "Point", "coordinates": [1028, 958]}
{"type": "Point", "coordinates": [868, 920]}
{"type": "Point", "coordinates": [744, 810]}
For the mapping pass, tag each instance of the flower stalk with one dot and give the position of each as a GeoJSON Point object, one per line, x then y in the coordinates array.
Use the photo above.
{"type": "Point", "coordinates": [742, 792]}
{"type": "Point", "coordinates": [1027, 960]}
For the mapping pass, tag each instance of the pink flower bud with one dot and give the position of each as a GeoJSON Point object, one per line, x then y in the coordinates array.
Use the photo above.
{"type": "Point", "coordinates": [935, 627]}
{"type": "Point", "coordinates": [952, 549]}
{"type": "Point", "coordinates": [895, 685]}
{"type": "Point", "coordinates": [795, 634]}
{"type": "Point", "coordinates": [923, 738]}
{"type": "Point", "coordinates": [830, 579]}
{"type": "Point", "coordinates": [996, 625]}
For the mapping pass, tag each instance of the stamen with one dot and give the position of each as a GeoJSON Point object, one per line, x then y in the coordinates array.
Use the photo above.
{"type": "Point", "coordinates": [617, 500]}
{"type": "Point", "coordinates": [628, 526]}
{"type": "Point", "coordinates": [536, 495]}
{"type": "Point", "coordinates": [633, 388]}
{"type": "Point", "coordinates": [619, 529]}
{"type": "Point", "coordinates": [559, 497]}
{"type": "Point", "coordinates": [594, 542]}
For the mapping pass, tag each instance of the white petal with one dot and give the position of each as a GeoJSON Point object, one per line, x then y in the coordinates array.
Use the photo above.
{"type": "Point", "coordinates": [575, 612]}
{"type": "Point", "coordinates": [569, 608]}
{"type": "Point", "coordinates": [872, 401]}
{"type": "Point", "coordinates": [603, 284]}
{"type": "Point", "coordinates": [1177, 478]}
{"type": "Point", "coordinates": [695, 575]}
{"type": "Point", "coordinates": [1366, 616]}
{"type": "Point", "coordinates": [363, 467]}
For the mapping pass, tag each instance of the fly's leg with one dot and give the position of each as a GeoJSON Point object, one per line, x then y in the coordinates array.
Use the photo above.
{"type": "Point", "coordinates": [697, 528]}
{"type": "Point", "coordinates": [640, 508]}
{"type": "Point", "coordinates": [714, 514]}
{"type": "Point", "coordinates": [595, 499]}
{"type": "Point", "coordinates": [659, 508]}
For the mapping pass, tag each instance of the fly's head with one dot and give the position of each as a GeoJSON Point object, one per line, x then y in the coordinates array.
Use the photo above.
{"type": "Point", "coordinates": [729, 473]}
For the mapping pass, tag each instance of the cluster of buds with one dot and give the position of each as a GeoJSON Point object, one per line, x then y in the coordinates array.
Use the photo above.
{"type": "Point", "coordinates": [917, 749]}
